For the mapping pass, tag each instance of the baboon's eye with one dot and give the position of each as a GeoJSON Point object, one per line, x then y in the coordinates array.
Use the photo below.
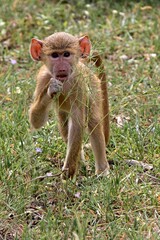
{"type": "Point", "coordinates": [66, 54]}
{"type": "Point", "coordinates": [54, 55]}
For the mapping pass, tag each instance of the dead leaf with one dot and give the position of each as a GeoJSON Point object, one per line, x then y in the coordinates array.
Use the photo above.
{"type": "Point", "coordinates": [5, 98]}
{"type": "Point", "coordinates": [121, 120]}
{"type": "Point", "coordinates": [146, 8]}
{"type": "Point", "coordinates": [158, 198]}
{"type": "Point", "coordinates": [148, 56]}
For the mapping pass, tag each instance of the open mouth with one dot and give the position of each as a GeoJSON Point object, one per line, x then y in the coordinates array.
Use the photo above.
{"type": "Point", "coordinates": [62, 77]}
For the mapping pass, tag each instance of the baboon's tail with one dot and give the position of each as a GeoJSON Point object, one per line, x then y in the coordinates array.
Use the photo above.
{"type": "Point", "coordinates": [102, 75]}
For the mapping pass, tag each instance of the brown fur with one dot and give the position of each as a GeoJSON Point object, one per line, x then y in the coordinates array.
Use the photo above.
{"type": "Point", "coordinates": [82, 102]}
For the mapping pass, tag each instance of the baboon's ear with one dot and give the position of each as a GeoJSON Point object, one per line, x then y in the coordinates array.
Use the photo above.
{"type": "Point", "coordinates": [35, 49]}
{"type": "Point", "coordinates": [85, 46]}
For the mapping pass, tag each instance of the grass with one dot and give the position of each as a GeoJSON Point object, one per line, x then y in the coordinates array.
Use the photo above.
{"type": "Point", "coordinates": [34, 202]}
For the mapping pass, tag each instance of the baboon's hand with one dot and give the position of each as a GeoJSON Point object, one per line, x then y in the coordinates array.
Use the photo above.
{"type": "Point", "coordinates": [55, 87]}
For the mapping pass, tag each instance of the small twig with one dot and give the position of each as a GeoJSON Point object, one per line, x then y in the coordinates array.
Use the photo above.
{"type": "Point", "coordinates": [153, 177]}
{"type": "Point", "coordinates": [45, 176]}
{"type": "Point", "coordinates": [126, 177]}
{"type": "Point", "coordinates": [145, 166]}
{"type": "Point", "coordinates": [40, 178]}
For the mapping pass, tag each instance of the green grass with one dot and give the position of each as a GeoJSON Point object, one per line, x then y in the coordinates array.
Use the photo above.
{"type": "Point", "coordinates": [34, 202]}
